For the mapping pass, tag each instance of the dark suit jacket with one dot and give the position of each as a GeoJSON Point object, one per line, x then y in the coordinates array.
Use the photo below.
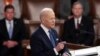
{"type": "Point", "coordinates": [19, 31]}
{"type": "Point", "coordinates": [65, 7]}
{"type": "Point", "coordinates": [41, 45]}
{"type": "Point", "coordinates": [83, 35]}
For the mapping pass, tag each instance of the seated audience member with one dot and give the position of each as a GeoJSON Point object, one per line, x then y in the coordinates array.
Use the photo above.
{"type": "Point", "coordinates": [12, 32]}
{"type": "Point", "coordinates": [64, 8]}
{"type": "Point", "coordinates": [79, 29]}
{"type": "Point", "coordinates": [44, 42]}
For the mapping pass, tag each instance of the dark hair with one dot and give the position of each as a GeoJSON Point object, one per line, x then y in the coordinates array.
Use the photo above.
{"type": "Point", "coordinates": [8, 7]}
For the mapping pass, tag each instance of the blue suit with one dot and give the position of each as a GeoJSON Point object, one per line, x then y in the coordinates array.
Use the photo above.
{"type": "Point", "coordinates": [41, 45]}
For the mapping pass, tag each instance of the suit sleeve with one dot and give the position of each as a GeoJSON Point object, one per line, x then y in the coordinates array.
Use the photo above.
{"type": "Point", "coordinates": [66, 33]}
{"type": "Point", "coordinates": [2, 38]}
{"type": "Point", "coordinates": [1, 41]}
{"type": "Point", "coordinates": [65, 48]}
{"type": "Point", "coordinates": [91, 35]}
{"type": "Point", "coordinates": [38, 48]}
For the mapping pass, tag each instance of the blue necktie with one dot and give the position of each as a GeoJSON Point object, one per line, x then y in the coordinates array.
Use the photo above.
{"type": "Point", "coordinates": [10, 31]}
{"type": "Point", "coordinates": [52, 37]}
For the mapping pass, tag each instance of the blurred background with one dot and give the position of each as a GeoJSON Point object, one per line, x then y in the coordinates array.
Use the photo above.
{"type": "Point", "coordinates": [29, 10]}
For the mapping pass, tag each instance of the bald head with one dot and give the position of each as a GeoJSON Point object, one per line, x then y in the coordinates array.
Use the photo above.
{"type": "Point", "coordinates": [47, 17]}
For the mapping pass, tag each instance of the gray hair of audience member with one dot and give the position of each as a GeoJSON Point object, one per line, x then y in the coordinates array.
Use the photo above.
{"type": "Point", "coordinates": [46, 11]}
{"type": "Point", "coordinates": [77, 3]}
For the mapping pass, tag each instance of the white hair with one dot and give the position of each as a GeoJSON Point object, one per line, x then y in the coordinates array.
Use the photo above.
{"type": "Point", "coordinates": [46, 11]}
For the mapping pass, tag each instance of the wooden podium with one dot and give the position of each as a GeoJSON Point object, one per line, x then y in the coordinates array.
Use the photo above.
{"type": "Point", "coordinates": [71, 46]}
{"type": "Point", "coordinates": [75, 46]}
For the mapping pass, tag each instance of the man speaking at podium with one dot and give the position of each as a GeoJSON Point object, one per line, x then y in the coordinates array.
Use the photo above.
{"type": "Point", "coordinates": [44, 42]}
{"type": "Point", "coordinates": [79, 29]}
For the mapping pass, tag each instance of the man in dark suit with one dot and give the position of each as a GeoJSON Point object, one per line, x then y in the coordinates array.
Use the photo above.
{"type": "Point", "coordinates": [79, 29]}
{"type": "Point", "coordinates": [44, 42]}
{"type": "Point", "coordinates": [64, 8]}
{"type": "Point", "coordinates": [12, 32]}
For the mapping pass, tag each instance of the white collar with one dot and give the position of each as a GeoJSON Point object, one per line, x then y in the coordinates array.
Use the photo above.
{"type": "Point", "coordinates": [80, 18]}
{"type": "Point", "coordinates": [7, 21]}
{"type": "Point", "coordinates": [44, 28]}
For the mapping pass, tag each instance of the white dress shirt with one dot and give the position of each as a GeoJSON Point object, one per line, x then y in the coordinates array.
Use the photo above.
{"type": "Point", "coordinates": [79, 21]}
{"type": "Point", "coordinates": [46, 30]}
{"type": "Point", "coordinates": [47, 33]}
{"type": "Point", "coordinates": [8, 25]}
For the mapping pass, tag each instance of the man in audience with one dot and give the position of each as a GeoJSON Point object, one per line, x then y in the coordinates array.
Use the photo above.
{"type": "Point", "coordinates": [45, 42]}
{"type": "Point", "coordinates": [12, 32]}
{"type": "Point", "coordinates": [64, 8]}
{"type": "Point", "coordinates": [79, 29]}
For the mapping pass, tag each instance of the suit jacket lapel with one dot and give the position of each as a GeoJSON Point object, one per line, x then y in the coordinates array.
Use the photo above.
{"type": "Point", "coordinates": [45, 38]}
{"type": "Point", "coordinates": [82, 22]}
{"type": "Point", "coordinates": [14, 28]}
{"type": "Point", "coordinates": [73, 23]}
{"type": "Point", "coordinates": [5, 29]}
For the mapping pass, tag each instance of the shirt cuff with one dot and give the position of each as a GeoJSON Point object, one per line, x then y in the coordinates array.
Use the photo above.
{"type": "Point", "coordinates": [56, 52]}
{"type": "Point", "coordinates": [66, 54]}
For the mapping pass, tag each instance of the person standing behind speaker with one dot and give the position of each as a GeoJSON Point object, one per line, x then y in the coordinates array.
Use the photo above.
{"type": "Point", "coordinates": [79, 29]}
{"type": "Point", "coordinates": [65, 6]}
{"type": "Point", "coordinates": [12, 32]}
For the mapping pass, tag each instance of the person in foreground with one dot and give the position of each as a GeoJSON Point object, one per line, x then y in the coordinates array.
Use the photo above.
{"type": "Point", "coordinates": [12, 32]}
{"type": "Point", "coordinates": [44, 41]}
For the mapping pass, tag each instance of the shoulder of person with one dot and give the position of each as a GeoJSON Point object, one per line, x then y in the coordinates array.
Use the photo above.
{"type": "Point", "coordinates": [88, 18]}
{"type": "Point", "coordinates": [2, 20]}
{"type": "Point", "coordinates": [19, 20]}
{"type": "Point", "coordinates": [68, 21]}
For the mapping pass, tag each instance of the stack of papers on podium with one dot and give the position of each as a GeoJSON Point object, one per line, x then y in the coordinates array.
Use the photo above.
{"type": "Point", "coordinates": [93, 51]}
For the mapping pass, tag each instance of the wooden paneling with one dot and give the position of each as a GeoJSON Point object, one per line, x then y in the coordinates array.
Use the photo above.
{"type": "Point", "coordinates": [92, 8]}
{"type": "Point", "coordinates": [35, 24]}
{"type": "Point", "coordinates": [24, 9]}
